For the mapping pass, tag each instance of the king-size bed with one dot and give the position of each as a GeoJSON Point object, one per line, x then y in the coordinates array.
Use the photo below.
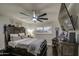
{"type": "Point", "coordinates": [17, 43]}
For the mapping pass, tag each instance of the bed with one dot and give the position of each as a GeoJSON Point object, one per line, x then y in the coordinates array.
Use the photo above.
{"type": "Point", "coordinates": [23, 46]}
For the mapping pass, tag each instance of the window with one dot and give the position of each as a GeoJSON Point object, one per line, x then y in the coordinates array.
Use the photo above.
{"type": "Point", "coordinates": [47, 29]}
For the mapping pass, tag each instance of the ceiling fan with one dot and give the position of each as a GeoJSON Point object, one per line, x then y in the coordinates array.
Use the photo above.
{"type": "Point", "coordinates": [35, 17]}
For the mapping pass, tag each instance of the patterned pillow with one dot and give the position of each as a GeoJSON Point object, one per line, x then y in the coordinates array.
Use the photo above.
{"type": "Point", "coordinates": [14, 37]}
{"type": "Point", "coordinates": [22, 35]}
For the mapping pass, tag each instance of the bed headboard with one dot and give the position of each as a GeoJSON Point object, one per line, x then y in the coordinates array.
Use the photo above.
{"type": "Point", "coordinates": [11, 29]}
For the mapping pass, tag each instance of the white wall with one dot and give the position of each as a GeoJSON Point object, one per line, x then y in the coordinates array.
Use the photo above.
{"type": "Point", "coordinates": [3, 20]}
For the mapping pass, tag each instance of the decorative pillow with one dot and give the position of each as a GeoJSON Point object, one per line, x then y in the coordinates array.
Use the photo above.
{"type": "Point", "coordinates": [14, 37]}
{"type": "Point", "coordinates": [22, 35]}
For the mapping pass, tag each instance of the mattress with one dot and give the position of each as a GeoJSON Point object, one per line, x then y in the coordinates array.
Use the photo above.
{"type": "Point", "coordinates": [31, 44]}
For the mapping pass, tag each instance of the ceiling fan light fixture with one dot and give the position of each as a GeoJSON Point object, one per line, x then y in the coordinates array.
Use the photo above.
{"type": "Point", "coordinates": [34, 20]}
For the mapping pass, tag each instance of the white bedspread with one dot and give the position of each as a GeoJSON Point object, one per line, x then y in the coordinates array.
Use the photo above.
{"type": "Point", "coordinates": [31, 44]}
{"type": "Point", "coordinates": [18, 43]}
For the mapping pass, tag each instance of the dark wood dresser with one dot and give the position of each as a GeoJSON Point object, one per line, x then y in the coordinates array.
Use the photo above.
{"type": "Point", "coordinates": [64, 48]}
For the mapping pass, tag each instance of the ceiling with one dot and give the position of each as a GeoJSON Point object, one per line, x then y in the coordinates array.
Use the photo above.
{"type": "Point", "coordinates": [13, 10]}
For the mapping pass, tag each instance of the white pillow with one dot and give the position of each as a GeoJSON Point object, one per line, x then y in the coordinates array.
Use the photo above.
{"type": "Point", "coordinates": [14, 37]}
{"type": "Point", "coordinates": [21, 34]}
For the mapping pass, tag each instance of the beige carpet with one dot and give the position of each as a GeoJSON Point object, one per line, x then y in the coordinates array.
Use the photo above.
{"type": "Point", "coordinates": [49, 50]}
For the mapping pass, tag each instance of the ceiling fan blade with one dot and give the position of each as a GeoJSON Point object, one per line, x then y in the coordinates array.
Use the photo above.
{"type": "Point", "coordinates": [39, 20]}
{"type": "Point", "coordinates": [44, 18]}
{"type": "Point", "coordinates": [42, 14]}
{"type": "Point", "coordinates": [24, 14]}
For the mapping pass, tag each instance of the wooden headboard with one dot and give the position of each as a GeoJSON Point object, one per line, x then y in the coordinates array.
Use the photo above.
{"type": "Point", "coordinates": [11, 29]}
